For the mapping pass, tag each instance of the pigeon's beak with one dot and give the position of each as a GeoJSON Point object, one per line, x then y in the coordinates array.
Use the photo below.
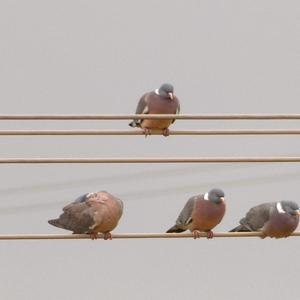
{"type": "Point", "coordinates": [298, 212]}
{"type": "Point", "coordinates": [171, 95]}
{"type": "Point", "coordinates": [222, 199]}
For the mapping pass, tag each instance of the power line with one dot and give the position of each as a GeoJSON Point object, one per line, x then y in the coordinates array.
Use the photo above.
{"type": "Point", "coordinates": [154, 132]}
{"type": "Point", "coordinates": [128, 236]}
{"type": "Point", "coordinates": [152, 116]}
{"type": "Point", "coordinates": [259, 159]}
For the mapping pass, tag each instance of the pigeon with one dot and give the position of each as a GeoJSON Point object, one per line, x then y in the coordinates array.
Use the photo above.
{"type": "Point", "coordinates": [160, 101]}
{"type": "Point", "coordinates": [201, 213]}
{"type": "Point", "coordinates": [273, 219]}
{"type": "Point", "coordinates": [91, 213]}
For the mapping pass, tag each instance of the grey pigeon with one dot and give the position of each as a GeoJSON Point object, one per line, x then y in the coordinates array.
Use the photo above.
{"type": "Point", "coordinates": [201, 213]}
{"type": "Point", "coordinates": [273, 219]}
{"type": "Point", "coordinates": [160, 101]}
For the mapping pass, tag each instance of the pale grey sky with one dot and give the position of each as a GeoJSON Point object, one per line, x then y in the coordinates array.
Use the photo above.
{"type": "Point", "coordinates": [100, 57]}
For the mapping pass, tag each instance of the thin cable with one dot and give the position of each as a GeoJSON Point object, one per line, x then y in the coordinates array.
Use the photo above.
{"type": "Point", "coordinates": [270, 159]}
{"type": "Point", "coordinates": [157, 132]}
{"type": "Point", "coordinates": [128, 236]}
{"type": "Point", "coordinates": [154, 116]}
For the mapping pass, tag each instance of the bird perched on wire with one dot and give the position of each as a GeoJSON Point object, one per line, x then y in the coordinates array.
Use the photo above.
{"type": "Point", "coordinates": [160, 101]}
{"type": "Point", "coordinates": [91, 213]}
{"type": "Point", "coordinates": [201, 213]}
{"type": "Point", "coordinates": [273, 219]}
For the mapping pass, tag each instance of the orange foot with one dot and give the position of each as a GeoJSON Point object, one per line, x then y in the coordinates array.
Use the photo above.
{"type": "Point", "coordinates": [166, 132]}
{"type": "Point", "coordinates": [107, 236]}
{"type": "Point", "coordinates": [196, 234]}
{"type": "Point", "coordinates": [147, 132]}
{"type": "Point", "coordinates": [209, 234]}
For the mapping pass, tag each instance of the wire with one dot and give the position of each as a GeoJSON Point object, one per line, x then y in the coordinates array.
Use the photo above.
{"type": "Point", "coordinates": [127, 235]}
{"type": "Point", "coordinates": [270, 159]}
{"type": "Point", "coordinates": [154, 116]}
{"type": "Point", "coordinates": [156, 132]}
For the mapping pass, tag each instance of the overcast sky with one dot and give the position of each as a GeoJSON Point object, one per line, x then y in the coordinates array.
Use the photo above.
{"type": "Point", "coordinates": [99, 57]}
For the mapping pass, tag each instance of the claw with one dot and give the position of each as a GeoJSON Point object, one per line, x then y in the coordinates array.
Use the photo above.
{"type": "Point", "coordinates": [147, 132]}
{"type": "Point", "coordinates": [93, 235]}
{"type": "Point", "coordinates": [196, 234]}
{"type": "Point", "coordinates": [209, 234]}
{"type": "Point", "coordinates": [166, 132]}
{"type": "Point", "coordinates": [107, 236]}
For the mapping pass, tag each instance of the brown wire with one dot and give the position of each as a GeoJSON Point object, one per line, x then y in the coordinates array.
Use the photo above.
{"type": "Point", "coordinates": [140, 132]}
{"type": "Point", "coordinates": [270, 159]}
{"type": "Point", "coordinates": [153, 116]}
{"type": "Point", "coordinates": [127, 236]}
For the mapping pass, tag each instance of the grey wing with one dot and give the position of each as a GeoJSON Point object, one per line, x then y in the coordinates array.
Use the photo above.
{"type": "Point", "coordinates": [257, 216]}
{"type": "Point", "coordinates": [185, 216]}
{"type": "Point", "coordinates": [77, 217]}
{"type": "Point", "coordinates": [142, 108]}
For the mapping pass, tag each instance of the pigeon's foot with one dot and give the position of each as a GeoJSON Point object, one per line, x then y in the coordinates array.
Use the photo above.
{"type": "Point", "coordinates": [107, 236]}
{"type": "Point", "coordinates": [166, 132]}
{"type": "Point", "coordinates": [209, 234]}
{"type": "Point", "coordinates": [196, 234]}
{"type": "Point", "coordinates": [93, 235]}
{"type": "Point", "coordinates": [147, 132]}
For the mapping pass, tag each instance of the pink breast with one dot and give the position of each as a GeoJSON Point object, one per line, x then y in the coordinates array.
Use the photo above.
{"type": "Point", "coordinates": [281, 225]}
{"type": "Point", "coordinates": [207, 215]}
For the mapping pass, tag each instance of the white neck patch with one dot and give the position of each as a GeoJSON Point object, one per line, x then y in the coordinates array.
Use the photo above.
{"type": "Point", "coordinates": [279, 208]}
{"type": "Point", "coordinates": [206, 196]}
{"type": "Point", "coordinates": [156, 92]}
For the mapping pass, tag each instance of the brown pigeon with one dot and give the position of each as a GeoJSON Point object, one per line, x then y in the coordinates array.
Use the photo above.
{"type": "Point", "coordinates": [160, 101]}
{"type": "Point", "coordinates": [273, 219]}
{"type": "Point", "coordinates": [201, 213]}
{"type": "Point", "coordinates": [91, 213]}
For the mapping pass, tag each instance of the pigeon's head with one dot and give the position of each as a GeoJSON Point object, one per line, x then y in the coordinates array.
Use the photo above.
{"type": "Point", "coordinates": [290, 207]}
{"type": "Point", "coordinates": [167, 91]}
{"type": "Point", "coordinates": [216, 196]}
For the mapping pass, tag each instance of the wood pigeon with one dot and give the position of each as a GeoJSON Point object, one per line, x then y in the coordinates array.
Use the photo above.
{"type": "Point", "coordinates": [160, 101]}
{"type": "Point", "coordinates": [201, 213]}
{"type": "Point", "coordinates": [273, 219]}
{"type": "Point", "coordinates": [91, 213]}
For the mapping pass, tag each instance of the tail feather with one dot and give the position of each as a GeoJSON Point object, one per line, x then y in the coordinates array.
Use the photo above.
{"type": "Point", "coordinates": [239, 229]}
{"type": "Point", "coordinates": [56, 223]}
{"type": "Point", "coordinates": [175, 228]}
{"type": "Point", "coordinates": [133, 124]}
